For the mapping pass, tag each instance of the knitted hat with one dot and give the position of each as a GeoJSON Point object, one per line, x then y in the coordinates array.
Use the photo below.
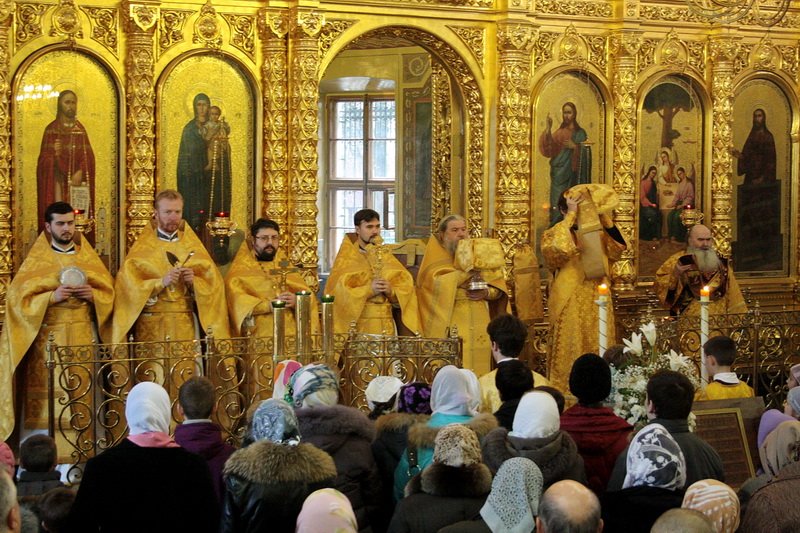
{"type": "Point", "coordinates": [716, 500]}
{"type": "Point", "coordinates": [590, 379]}
{"type": "Point", "coordinates": [314, 385]}
{"type": "Point", "coordinates": [381, 389]}
{"type": "Point", "coordinates": [414, 398]}
{"type": "Point", "coordinates": [7, 458]}
{"type": "Point", "coordinates": [456, 445]}
{"type": "Point", "coordinates": [275, 421]}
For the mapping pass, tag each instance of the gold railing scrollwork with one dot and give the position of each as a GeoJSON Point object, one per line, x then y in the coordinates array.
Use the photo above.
{"type": "Point", "coordinates": [6, 187]}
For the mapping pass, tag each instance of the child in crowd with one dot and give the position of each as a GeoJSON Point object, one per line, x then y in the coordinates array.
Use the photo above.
{"type": "Point", "coordinates": [720, 354]}
{"type": "Point", "coordinates": [37, 457]}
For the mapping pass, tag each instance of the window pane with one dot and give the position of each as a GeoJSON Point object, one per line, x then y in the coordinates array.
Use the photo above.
{"type": "Point", "coordinates": [349, 119]}
{"type": "Point", "coordinates": [382, 116]}
{"type": "Point", "coordinates": [348, 160]}
{"type": "Point", "coordinates": [382, 160]}
{"type": "Point", "coordinates": [390, 221]}
{"type": "Point", "coordinates": [345, 204]}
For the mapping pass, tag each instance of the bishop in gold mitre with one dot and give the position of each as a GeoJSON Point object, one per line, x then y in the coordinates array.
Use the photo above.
{"type": "Point", "coordinates": [446, 298]}
{"type": "Point", "coordinates": [166, 274]}
{"type": "Point", "coordinates": [259, 275]}
{"type": "Point", "coordinates": [367, 283]}
{"type": "Point", "coordinates": [577, 250]}
{"type": "Point", "coordinates": [64, 289]}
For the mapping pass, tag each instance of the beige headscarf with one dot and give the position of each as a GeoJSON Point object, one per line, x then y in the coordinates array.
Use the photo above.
{"type": "Point", "coordinates": [781, 447]}
{"type": "Point", "coordinates": [717, 501]}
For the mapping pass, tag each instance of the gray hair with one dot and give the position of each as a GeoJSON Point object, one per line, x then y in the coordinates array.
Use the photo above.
{"type": "Point", "coordinates": [442, 227]}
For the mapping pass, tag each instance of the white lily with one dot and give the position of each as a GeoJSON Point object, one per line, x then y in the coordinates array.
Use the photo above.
{"type": "Point", "coordinates": [634, 345]}
{"type": "Point", "coordinates": [649, 331]}
{"type": "Point", "coordinates": [677, 361]}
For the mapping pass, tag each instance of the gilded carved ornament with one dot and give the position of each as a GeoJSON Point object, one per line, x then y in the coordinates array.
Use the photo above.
{"type": "Point", "coordinates": [673, 51]}
{"type": "Point", "coordinates": [170, 28]}
{"type": "Point", "coordinates": [104, 26]}
{"type": "Point", "coordinates": [243, 31]}
{"type": "Point", "coordinates": [669, 14]}
{"type": "Point", "coordinates": [277, 23]}
{"type": "Point", "coordinates": [66, 21]}
{"type": "Point", "coordinates": [207, 28]}
{"type": "Point", "coordinates": [789, 59]}
{"type": "Point", "coordinates": [515, 37]}
{"type": "Point", "coordinates": [6, 10]}
{"type": "Point", "coordinates": [724, 50]}
{"type": "Point", "coordinates": [543, 47]}
{"type": "Point", "coordinates": [625, 44]}
{"type": "Point", "coordinates": [28, 22]}
{"type": "Point", "coordinates": [584, 8]}
{"type": "Point", "coordinates": [764, 56]}
{"type": "Point", "coordinates": [573, 48]}
{"type": "Point", "coordinates": [474, 38]}
{"type": "Point", "coordinates": [143, 16]}
{"type": "Point", "coordinates": [309, 23]}
{"type": "Point", "coordinates": [332, 30]}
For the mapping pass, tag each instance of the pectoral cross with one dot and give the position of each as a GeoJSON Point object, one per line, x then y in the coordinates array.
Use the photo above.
{"type": "Point", "coordinates": [284, 270]}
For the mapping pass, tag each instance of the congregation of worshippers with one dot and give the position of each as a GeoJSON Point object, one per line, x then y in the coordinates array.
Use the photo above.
{"type": "Point", "coordinates": [488, 446]}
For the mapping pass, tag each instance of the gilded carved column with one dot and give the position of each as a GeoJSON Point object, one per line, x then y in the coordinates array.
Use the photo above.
{"type": "Point", "coordinates": [140, 92]}
{"type": "Point", "coordinates": [624, 47]}
{"type": "Point", "coordinates": [6, 189]}
{"type": "Point", "coordinates": [305, 26]}
{"type": "Point", "coordinates": [513, 219]}
{"type": "Point", "coordinates": [723, 51]}
{"type": "Point", "coordinates": [274, 26]}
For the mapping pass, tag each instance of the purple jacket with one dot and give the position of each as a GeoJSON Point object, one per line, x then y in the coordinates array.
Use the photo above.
{"type": "Point", "coordinates": [205, 440]}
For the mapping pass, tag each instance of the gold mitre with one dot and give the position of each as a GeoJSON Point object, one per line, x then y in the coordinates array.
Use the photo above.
{"type": "Point", "coordinates": [603, 196]}
{"type": "Point", "coordinates": [482, 254]}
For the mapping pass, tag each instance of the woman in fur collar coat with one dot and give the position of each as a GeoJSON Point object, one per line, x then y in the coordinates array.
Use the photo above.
{"type": "Point", "coordinates": [452, 488]}
{"type": "Point", "coordinates": [451, 404]}
{"type": "Point", "coordinates": [346, 434]}
{"type": "Point", "coordinates": [536, 435]}
{"type": "Point", "coordinates": [268, 481]}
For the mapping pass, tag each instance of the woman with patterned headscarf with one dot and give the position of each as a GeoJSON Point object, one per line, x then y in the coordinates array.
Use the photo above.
{"type": "Point", "coordinates": [268, 481]}
{"type": "Point", "coordinates": [655, 482]}
{"type": "Point", "coordinates": [345, 433]}
{"type": "Point", "coordinates": [717, 501]}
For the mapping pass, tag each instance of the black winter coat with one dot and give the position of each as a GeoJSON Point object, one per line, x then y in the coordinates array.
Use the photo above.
{"type": "Point", "coordinates": [267, 483]}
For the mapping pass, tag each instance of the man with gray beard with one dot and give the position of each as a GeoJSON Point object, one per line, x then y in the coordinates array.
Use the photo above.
{"type": "Point", "coordinates": [682, 276]}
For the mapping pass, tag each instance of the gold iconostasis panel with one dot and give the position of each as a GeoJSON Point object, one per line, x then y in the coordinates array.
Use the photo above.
{"type": "Point", "coordinates": [66, 150]}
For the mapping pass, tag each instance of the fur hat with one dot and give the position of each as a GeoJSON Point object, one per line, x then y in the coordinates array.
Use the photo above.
{"type": "Point", "coordinates": [457, 445]}
{"type": "Point", "coordinates": [7, 460]}
{"type": "Point", "coordinates": [590, 379]}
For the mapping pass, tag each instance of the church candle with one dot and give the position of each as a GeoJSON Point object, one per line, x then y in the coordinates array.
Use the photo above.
{"type": "Point", "coordinates": [327, 328]}
{"type": "Point", "coordinates": [278, 331]}
{"type": "Point", "coordinates": [704, 301]}
{"type": "Point", "coordinates": [303, 315]}
{"type": "Point", "coordinates": [602, 322]}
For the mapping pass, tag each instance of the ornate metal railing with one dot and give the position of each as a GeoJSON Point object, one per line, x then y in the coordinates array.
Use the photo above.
{"type": "Point", "coordinates": [88, 384]}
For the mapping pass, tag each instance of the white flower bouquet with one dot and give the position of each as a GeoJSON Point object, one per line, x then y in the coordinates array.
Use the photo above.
{"type": "Point", "coordinates": [629, 379]}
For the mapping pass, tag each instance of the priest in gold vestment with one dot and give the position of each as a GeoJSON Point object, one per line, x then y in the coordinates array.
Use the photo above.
{"type": "Point", "coordinates": [62, 288]}
{"type": "Point", "coordinates": [578, 250]}
{"type": "Point", "coordinates": [682, 276]}
{"type": "Point", "coordinates": [368, 282]}
{"type": "Point", "coordinates": [166, 275]}
{"type": "Point", "coordinates": [445, 299]}
{"type": "Point", "coordinates": [257, 277]}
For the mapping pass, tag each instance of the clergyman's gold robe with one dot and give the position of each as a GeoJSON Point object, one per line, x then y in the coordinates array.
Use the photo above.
{"type": "Point", "coordinates": [251, 289]}
{"type": "Point", "coordinates": [30, 318]}
{"type": "Point", "coordinates": [443, 303]}
{"type": "Point", "coordinates": [574, 315]}
{"type": "Point", "coordinates": [683, 297]}
{"type": "Point", "coordinates": [158, 311]}
{"type": "Point", "coordinates": [350, 283]}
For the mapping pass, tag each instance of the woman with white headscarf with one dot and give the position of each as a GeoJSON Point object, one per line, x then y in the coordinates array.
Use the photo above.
{"type": "Point", "coordinates": [536, 435]}
{"type": "Point", "coordinates": [451, 403]}
{"type": "Point", "coordinates": [268, 481]}
{"type": "Point", "coordinates": [146, 482]}
{"type": "Point", "coordinates": [655, 482]}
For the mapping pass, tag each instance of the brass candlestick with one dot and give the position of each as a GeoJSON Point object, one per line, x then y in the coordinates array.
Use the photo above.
{"type": "Point", "coordinates": [303, 317]}
{"type": "Point", "coordinates": [327, 329]}
{"type": "Point", "coordinates": [278, 331]}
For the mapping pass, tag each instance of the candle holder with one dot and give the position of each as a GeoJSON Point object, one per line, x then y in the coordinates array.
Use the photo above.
{"type": "Point", "coordinates": [302, 310]}
{"type": "Point", "coordinates": [602, 317]}
{"type": "Point", "coordinates": [327, 328]}
{"type": "Point", "coordinates": [221, 226]}
{"type": "Point", "coordinates": [705, 299]}
{"type": "Point", "coordinates": [278, 331]}
{"type": "Point", "coordinates": [83, 223]}
{"type": "Point", "coordinates": [690, 216]}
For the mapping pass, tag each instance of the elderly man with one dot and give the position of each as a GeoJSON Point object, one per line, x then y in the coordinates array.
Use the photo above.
{"type": "Point", "coordinates": [368, 282]}
{"type": "Point", "coordinates": [568, 506]}
{"type": "Point", "coordinates": [680, 279]}
{"type": "Point", "coordinates": [259, 275]}
{"type": "Point", "coordinates": [61, 289]}
{"type": "Point", "coordinates": [446, 300]}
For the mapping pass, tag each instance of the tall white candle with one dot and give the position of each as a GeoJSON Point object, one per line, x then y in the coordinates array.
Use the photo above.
{"type": "Point", "coordinates": [704, 301]}
{"type": "Point", "coordinates": [602, 315]}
